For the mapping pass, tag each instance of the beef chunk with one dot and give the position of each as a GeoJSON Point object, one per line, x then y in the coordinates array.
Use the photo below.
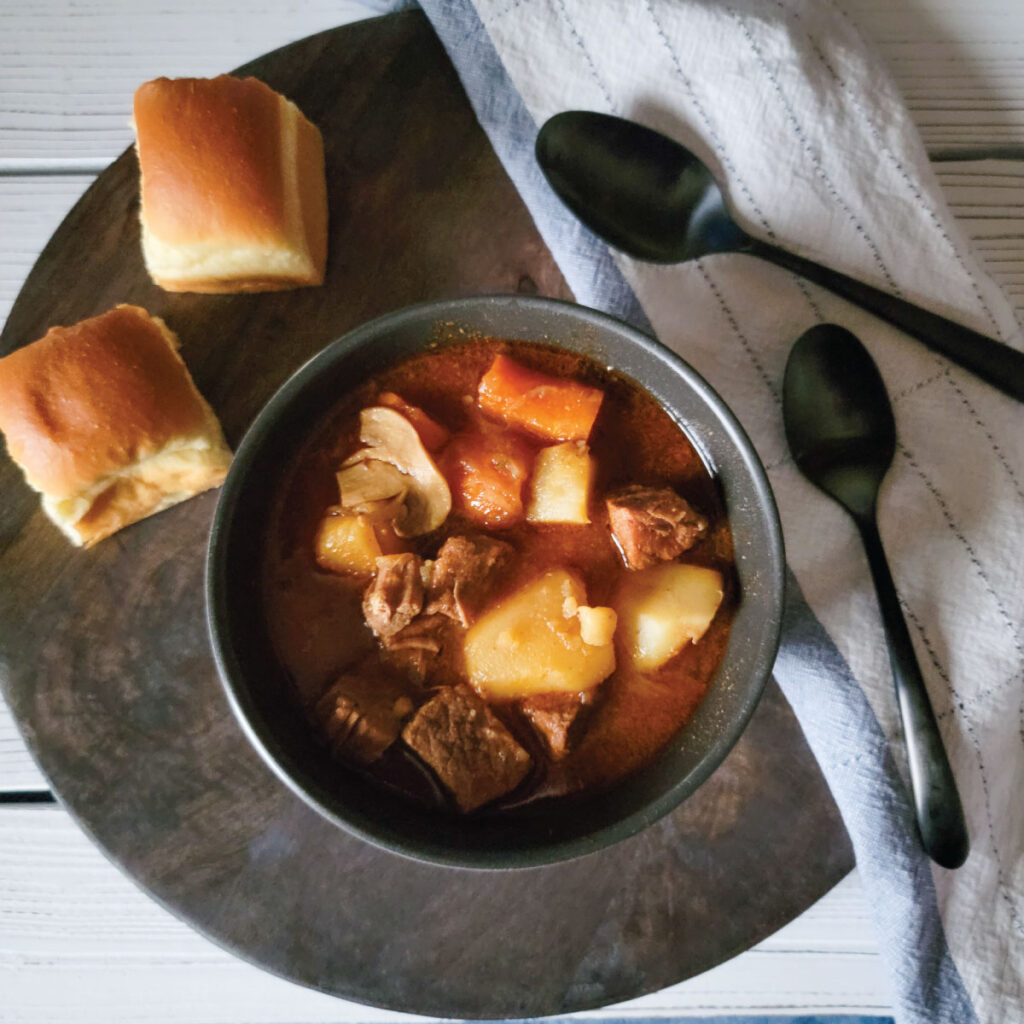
{"type": "Point", "coordinates": [395, 597]}
{"type": "Point", "coordinates": [424, 633]}
{"type": "Point", "coordinates": [554, 716]}
{"type": "Point", "coordinates": [471, 752]}
{"type": "Point", "coordinates": [462, 575]}
{"type": "Point", "coordinates": [361, 716]}
{"type": "Point", "coordinates": [652, 524]}
{"type": "Point", "coordinates": [415, 647]}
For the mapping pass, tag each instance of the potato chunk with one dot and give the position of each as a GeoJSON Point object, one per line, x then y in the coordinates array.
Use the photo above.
{"type": "Point", "coordinates": [664, 607]}
{"type": "Point", "coordinates": [597, 625]}
{"type": "Point", "coordinates": [531, 643]}
{"type": "Point", "coordinates": [347, 544]}
{"type": "Point", "coordinates": [562, 477]}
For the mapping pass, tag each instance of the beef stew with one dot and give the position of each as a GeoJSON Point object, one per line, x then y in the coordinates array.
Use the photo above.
{"type": "Point", "coordinates": [498, 573]}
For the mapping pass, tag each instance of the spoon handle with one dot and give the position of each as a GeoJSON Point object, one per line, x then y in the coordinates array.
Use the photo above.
{"type": "Point", "coordinates": [991, 360]}
{"type": "Point", "coordinates": [940, 816]}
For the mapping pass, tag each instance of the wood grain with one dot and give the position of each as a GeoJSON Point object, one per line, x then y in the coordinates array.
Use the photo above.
{"type": "Point", "coordinates": [112, 679]}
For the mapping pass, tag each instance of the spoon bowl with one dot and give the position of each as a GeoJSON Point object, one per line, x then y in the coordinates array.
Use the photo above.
{"type": "Point", "coordinates": [636, 188]}
{"type": "Point", "coordinates": [839, 423]}
{"type": "Point", "coordinates": [841, 431]}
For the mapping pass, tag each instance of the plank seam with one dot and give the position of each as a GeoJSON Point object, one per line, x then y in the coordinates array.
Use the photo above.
{"type": "Point", "coordinates": [13, 167]}
{"type": "Point", "coordinates": [27, 796]}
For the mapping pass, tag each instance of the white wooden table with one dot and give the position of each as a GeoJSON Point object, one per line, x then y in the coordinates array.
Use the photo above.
{"type": "Point", "coordinates": [78, 941]}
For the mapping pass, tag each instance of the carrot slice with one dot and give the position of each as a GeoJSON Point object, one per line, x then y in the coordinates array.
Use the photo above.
{"type": "Point", "coordinates": [548, 407]}
{"type": "Point", "coordinates": [486, 470]}
{"type": "Point", "coordinates": [432, 434]}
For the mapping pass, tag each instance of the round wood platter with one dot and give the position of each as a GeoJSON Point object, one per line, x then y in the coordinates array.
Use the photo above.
{"type": "Point", "coordinates": [105, 661]}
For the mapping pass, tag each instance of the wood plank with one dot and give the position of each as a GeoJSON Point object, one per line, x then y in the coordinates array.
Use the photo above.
{"type": "Point", "coordinates": [987, 198]}
{"type": "Point", "coordinates": [18, 771]}
{"type": "Point", "coordinates": [67, 76]}
{"type": "Point", "coordinates": [79, 941]}
{"type": "Point", "coordinates": [31, 208]}
{"type": "Point", "coordinates": [68, 71]}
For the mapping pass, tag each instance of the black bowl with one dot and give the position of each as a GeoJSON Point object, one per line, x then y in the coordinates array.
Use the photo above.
{"type": "Point", "coordinates": [257, 687]}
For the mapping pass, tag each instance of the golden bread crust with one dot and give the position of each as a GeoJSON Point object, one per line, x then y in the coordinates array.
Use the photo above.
{"type": "Point", "coordinates": [105, 422]}
{"type": "Point", "coordinates": [210, 156]}
{"type": "Point", "coordinates": [233, 191]}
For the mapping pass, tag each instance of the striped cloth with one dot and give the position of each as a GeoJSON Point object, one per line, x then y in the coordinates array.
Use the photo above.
{"type": "Point", "coordinates": [819, 154]}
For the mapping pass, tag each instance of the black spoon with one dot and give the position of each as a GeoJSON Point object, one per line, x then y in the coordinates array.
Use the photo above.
{"type": "Point", "coordinates": [648, 196]}
{"type": "Point", "coordinates": [840, 428]}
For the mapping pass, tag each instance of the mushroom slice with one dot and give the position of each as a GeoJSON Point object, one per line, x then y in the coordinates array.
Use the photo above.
{"type": "Point", "coordinates": [372, 487]}
{"type": "Point", "coordinates": [390, 438]}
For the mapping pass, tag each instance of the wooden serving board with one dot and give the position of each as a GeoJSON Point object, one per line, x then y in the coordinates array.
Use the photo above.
{"type": "Point", "coordinates": [105, 661]}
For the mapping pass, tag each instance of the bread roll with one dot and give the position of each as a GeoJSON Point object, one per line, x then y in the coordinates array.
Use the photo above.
{"type": "Point", "coordinates": [105, 422]}
{"type": "Point", "coordinates": [233, 191]}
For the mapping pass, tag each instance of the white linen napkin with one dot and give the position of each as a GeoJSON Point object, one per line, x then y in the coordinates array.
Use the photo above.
{"type": "Point", "coordinates": [817, 153]}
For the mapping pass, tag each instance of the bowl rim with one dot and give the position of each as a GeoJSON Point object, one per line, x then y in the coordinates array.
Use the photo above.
{"type": "Point", "coordinates": [216, 589]}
